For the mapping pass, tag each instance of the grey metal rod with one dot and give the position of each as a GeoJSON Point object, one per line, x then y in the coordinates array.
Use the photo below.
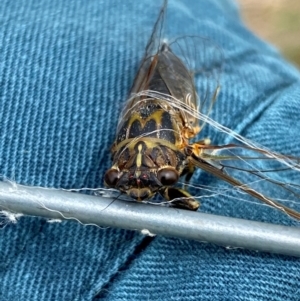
{"type": "Point", "coordinates": [224, 231]}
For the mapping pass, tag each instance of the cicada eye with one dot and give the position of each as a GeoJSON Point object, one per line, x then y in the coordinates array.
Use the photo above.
{"type": "Point", "coordinates": [111, 177]}
{"type": "Point", "coordinates": [167, 176]}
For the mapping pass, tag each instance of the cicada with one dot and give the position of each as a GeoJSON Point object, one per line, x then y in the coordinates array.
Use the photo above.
{"type": "Point", "coordinates": [153, 148]}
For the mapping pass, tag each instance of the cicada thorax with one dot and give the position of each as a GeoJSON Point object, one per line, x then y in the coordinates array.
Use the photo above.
{"type": "Point", "coordinates": [149, 151]}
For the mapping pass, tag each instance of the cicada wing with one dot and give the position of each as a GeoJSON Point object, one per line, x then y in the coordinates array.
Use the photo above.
{"type": "Point", "coordinates": [204, 60]}
{"type": "Point", "coordinates": [152, 48]}
{"type": "Point", "coordinates": [147, 66]}
{"type": "Point", "coordinates": [155, 40]}
{"type": "Point", "coordinates": [178, 64]}
{"type": "Point", "coordinates": [267, 176]}
{"type": "Point", "coordinates": [170, 77]}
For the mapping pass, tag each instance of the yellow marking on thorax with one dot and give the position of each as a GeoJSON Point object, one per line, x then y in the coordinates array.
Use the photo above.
{"type": "Point", "coordinates": [150, 143]}
{"type": "Point", "coordinates": [138, 161]}
{"type": "Point", "coordinates": [156, 116]}
{"type": "Point", "coordinates": [139, 156]}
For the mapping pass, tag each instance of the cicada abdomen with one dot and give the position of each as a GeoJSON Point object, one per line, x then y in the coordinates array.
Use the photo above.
{"type": "Point", "coordinates": [153, 146]}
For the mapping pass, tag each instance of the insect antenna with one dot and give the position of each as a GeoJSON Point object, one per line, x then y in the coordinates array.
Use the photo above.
{"type": "Point", "coordinates": [116, 198]}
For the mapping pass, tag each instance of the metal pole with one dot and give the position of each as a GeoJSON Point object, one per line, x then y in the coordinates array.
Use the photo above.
{"type": "Point", "coordinates": [149, 219]}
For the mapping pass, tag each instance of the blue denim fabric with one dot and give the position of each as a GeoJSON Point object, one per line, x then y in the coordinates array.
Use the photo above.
{"type": "Point", "coordinates": [65, 69]}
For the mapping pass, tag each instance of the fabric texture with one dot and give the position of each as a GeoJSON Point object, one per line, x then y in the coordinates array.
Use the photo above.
{"type": "Point", "coordinates": [66, 68]}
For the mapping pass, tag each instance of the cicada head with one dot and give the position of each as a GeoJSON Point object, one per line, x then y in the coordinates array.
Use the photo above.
{"type": "Point", "coordinates": [141, 184]}
{"type": "Point", "coordinates": [144, 172]}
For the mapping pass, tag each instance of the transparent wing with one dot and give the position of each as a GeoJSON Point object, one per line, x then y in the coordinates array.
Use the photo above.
{"type": "Point", "coordinates": [180, 62]}
{"type": "Point", "coordinates": [147, 66]}
{"type": "Point", "coordinates": [270, 177]}
{"type": "Point", "coordinates": [204, 60]}
{"type": "Point", "coordinates": [152, 48]}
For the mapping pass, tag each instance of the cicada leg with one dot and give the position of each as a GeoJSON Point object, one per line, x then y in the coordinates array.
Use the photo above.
{"type": "Point", "coordinates": [195, 148]}
{"type": "Point", "coordinates": [185, 200]}
{"type": "Point", "coordinates": [188, 175]}
{"type": "Point", "coordinates": [180, 198]}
